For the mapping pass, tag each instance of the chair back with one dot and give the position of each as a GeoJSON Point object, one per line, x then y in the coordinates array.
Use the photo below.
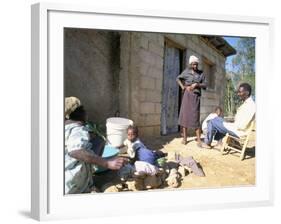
{"type": "Point", "coordinates": [251, 125]}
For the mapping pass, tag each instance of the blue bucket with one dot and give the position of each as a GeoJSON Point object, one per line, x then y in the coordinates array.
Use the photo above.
{"type": "Point", "coordinates": [109, 152]}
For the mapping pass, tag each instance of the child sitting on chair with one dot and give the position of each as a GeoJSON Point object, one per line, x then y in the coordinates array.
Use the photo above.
{"type": "Point", "coordinates": [137, 150]}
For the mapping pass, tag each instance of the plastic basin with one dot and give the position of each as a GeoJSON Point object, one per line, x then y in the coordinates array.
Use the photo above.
{"type": "Point", "coordinates": [109, 152]}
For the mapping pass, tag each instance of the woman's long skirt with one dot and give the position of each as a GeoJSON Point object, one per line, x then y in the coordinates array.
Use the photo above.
{"type": "Point", "coordinates": [190, 110]}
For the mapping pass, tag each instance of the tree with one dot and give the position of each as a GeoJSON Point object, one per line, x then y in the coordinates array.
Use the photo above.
{"type": "Point", "coordinates": [228, 104]}
{"type": "Point", "coordinates": [231, 99]}
{"type": "Point", "coordinates": [244, 61]}
{"type": "Point", "coordinates": [241, 69]}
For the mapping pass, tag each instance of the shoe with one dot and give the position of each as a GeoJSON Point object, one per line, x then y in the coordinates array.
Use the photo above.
{"type": "Point", "coordinates": [196, 169]}
{"type": "Point", "coordinates": [219, 144]}
{"type": "Point", "coordinates": [192, 164]}
{"type": "Point", "coordinates": [206, 146]}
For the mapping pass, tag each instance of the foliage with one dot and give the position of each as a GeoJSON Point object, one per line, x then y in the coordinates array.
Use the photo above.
{"type": "Point", "coordinates": [96, 129]}
{"type": "Point", "coordinates": [243, 63]}
{"type": "Point", "coordinates": [241, 69]}
{"type": "Point", "coordinates": [231, 100]}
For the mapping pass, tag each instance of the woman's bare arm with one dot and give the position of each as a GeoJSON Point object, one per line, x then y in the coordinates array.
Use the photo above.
{"type": "Point", "coordinates": [88, 157]}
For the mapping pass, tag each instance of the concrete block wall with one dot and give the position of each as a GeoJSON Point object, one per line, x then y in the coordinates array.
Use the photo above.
{"type": "Point", "coordinates": [150, 76]}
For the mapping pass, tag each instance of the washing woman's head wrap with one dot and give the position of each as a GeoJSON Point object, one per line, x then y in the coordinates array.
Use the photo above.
{"type": "Point", "coordinates": [192, 59]}
{"type": "Point", "coordinates": [71, 104]}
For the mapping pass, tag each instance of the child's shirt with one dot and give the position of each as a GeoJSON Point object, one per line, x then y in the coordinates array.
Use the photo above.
{"type": "Point", "coordinates": [207, 119]}
{"type": "Point", "coordinates": [131, 152]}
{"type": "Point", "coordinates": [139, 151]}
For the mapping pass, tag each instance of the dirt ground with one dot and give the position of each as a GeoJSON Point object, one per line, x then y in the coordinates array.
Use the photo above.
{"type": "Point", "coordinates": [220, 170]}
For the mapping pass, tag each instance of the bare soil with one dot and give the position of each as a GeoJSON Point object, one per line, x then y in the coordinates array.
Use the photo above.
{"type": "Point", "coordinates": [220, 170]}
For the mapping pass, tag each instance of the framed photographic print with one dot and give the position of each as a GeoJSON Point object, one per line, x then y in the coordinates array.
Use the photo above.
{"type": "Point", "coordinates": [144, 82]}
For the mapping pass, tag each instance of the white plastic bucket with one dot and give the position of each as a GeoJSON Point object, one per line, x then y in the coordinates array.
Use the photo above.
{"type": "Point", "coordinates": [116, 130]}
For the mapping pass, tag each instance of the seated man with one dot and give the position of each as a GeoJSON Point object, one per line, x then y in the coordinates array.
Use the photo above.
{"type": "Point", "coordinates": [245, 114]}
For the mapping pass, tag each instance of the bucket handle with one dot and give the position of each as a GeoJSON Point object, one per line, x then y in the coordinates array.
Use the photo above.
{"type": "Point", "coordinates": [117, 113]}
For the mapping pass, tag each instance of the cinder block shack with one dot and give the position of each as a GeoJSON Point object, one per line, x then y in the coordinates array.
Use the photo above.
{"type": "Point", "coordinates": [133, 74]}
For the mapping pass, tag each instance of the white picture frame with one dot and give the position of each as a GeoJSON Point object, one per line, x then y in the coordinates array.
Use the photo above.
{"type": "Point", "coordinates": [48, 201]}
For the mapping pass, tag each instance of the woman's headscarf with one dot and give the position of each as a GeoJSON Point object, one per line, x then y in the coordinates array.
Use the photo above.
{"type": "Point", "coordinates": [71, 104]}
{"type": "Point", "coordinates": [192, 59]}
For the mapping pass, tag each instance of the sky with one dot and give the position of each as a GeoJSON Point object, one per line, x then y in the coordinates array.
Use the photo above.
{"type": "Point", "coordinates": [233, 42]}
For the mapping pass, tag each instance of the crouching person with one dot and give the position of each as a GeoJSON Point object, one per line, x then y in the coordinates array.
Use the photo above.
{"type": "Point", "coordinates": [80, 156]}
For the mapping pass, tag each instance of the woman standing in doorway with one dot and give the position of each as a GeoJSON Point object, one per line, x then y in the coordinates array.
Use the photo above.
{"type": "Point", "coordinates": [191, 81]}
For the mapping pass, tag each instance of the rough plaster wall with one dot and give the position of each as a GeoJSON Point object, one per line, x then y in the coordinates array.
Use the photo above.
{"type": "Point", "coordinates": [125, 74]}
{"type": "Point", "coordinates": [91, 70]}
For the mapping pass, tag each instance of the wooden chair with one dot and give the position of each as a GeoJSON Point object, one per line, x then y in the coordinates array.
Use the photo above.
{"type": "Point", "coordinates": [240, 144]}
